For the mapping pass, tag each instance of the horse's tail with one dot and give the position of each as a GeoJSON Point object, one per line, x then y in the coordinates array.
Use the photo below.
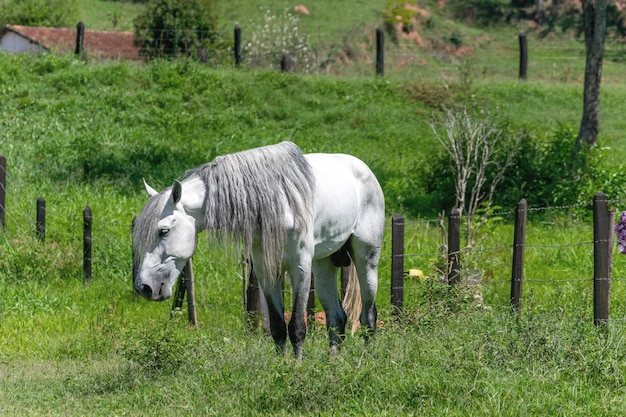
{"type": "Point", "coordinates": [352, 298]}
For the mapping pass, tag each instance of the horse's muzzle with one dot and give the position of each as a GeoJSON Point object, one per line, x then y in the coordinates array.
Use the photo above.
{"type": "Point", "coordinates": [144, 290]}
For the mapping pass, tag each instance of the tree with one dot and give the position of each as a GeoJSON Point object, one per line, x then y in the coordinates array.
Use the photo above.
{"type": "Point", "coordinates": [594, 25]}
{"type": "Point", "coordinates": [171, 28]}
{"type": "Point", "coordinates": [52, 13]}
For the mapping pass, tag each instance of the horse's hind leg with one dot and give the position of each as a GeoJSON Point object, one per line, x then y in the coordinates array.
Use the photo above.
{"type": "Point", "coordinates": [325, 276]}
{"type": "Point", "coordinates": [365, 258]}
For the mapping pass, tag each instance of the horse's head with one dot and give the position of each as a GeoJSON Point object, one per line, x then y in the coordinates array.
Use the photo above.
{"type": "Point", "coordinates": [164, 238]}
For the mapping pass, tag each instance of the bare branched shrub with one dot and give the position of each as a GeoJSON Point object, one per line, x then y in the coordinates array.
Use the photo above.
{"type": "Point", "coordinates": [480, 153]}
{"type": "Point", "coordinates": [278, 35]}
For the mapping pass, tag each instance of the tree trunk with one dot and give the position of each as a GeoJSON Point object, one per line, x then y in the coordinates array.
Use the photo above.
{"type": "Point", "coordinates": [594, 14]}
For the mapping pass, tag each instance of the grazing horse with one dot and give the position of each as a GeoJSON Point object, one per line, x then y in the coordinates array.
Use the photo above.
{"type": "Point", "coordinates": [305, 215]}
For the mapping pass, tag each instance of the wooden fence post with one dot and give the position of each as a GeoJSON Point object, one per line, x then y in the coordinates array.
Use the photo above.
{"type": "Point", "coordinates": [40, 227]}
{"type": "Point", "coordinates": [601, 257]}
{"type": "Point", "coordinates": [519, 239]}
{"type": "Point", "coordinates": [286, 64]}
{"type": "Point", "coordinates": [80, 38]}
{"type": "Point", "coordinates": [237, 45]}
{"type": "Point", "coordinates": [310, 306]}
{"type": "Point", "coordinates": [87, 244]}
{"type": "Point", "coordinates": [454, 247]}
{"type": "Point", "coordinates": [523, 56]}
{"type": "Point", "coordinates": [397, 263]}
{"type": "Point", "coordinates": [3, 190]}
{"type": "Point", "coordinates": [179, 294]}
{"type": "Point", "coordinates": [132, 251]}
{"type": "Point", "coordinates": [192, 315]}
{"type": "Point", "coordinates": [380, 52]}
{"type": "Point", "coordinates": [185, 284]}
{"type": "Point", "coordinates": [252, 294]}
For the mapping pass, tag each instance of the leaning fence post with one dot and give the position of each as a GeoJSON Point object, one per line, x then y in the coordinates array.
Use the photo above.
{"type": "Point", "coordinates": [41, 219]}
{"type": "Point", "coordinates": [3, 190]}
{"type": "Point", "coordinates": [454, 247]}
{"type": "Point", "coordinates": [519, 239]}
{"type": "Point", "coordinates": [380, 52]}
{"type": "Point", "coordinates": [397, 263]}
{"type": "Point", "coordinates": [601, 257]}
{"type": "Point", "coordinates": [87, 243]}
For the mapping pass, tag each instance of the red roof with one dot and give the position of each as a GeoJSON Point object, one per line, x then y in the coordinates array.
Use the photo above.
{"type": "Point", "coordinates": [97, 44]}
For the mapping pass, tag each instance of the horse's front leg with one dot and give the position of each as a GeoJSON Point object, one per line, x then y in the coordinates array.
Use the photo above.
{"type": "Point", "coordinates": [273, 292]}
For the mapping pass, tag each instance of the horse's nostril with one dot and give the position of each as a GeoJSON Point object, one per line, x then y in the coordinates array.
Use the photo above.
{"type": "Point", "coordinates": [145, 290]}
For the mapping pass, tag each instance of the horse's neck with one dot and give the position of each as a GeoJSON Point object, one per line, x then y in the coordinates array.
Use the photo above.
{"type": "Point", "coordinates": [192, 199]}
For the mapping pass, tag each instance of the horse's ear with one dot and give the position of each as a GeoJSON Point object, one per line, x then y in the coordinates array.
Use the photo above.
{"type": "Point", "coordinates": [177, 191]}
{"type": "Point", "coordinates": [151, 191]}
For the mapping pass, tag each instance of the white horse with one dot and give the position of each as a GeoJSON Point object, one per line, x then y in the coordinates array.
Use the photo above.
{"type": "Point", "coordinates": [301, 214]}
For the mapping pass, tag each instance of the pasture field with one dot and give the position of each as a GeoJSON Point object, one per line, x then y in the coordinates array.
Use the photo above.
{"type": "Point", "coordinates": [85, 134]}
{"type": "Point", "coordinates": [82, 134]}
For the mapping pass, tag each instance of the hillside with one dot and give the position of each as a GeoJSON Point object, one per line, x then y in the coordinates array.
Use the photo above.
{"type": "Point", "coordinates": [80, 133]}
{"type": "Point", "coordinates": [190, 113]}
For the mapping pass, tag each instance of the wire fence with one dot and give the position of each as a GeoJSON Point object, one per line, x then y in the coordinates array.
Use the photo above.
{"type": "Point", "coordinates": [359, 53]}
{"type": "Point", "coordinates": [559, 264]}
{"type": "Point", "coordinates": [559, 271]}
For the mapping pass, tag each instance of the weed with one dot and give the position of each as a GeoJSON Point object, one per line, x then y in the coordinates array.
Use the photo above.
{"type": "Point", "coordinates": [159, 347]}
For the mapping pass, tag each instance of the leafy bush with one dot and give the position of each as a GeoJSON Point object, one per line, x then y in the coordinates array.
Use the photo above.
{"type": "Point", "coordinates": [547, 171]}
{"type": "Point", "coordinates": [172, 28]}
{"type": "Point", "coordinates": [551, 171]}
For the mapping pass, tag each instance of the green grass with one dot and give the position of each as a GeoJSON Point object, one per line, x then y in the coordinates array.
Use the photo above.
{"type": "Point", "coordinates": [86, 133]}
{"type": "Point", "coordinates": [467, 364]}
{"type": "Point", "coordinates": [100, 14]}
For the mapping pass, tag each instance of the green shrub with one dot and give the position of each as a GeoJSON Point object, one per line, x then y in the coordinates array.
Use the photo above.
{"type": "Point", "coordinates": [547, 171]}
{"type": "Point", "coordinates": [180, 28]}
{"type": "Point", "coordinates": [161, 347]}
{"type": "Point", "coordinates": [550, 171]}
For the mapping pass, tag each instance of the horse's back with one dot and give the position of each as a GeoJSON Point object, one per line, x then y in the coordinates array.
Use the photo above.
{"type": "Point", "coordinates": [342, 172]}
{"type": "Point", "coordinates": [348, 200]}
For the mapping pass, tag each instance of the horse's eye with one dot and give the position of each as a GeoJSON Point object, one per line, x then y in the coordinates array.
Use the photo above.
{"type": "Point", "coordinates": [163, 232]}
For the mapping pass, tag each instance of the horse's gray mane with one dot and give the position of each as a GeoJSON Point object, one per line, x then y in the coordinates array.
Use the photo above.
{"type": "Point", "coordinates": [248, 193]}
{"type": "Point", "coordinates": [247, 196]}
{"type": "Point", "coordinates": [145, 231]}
